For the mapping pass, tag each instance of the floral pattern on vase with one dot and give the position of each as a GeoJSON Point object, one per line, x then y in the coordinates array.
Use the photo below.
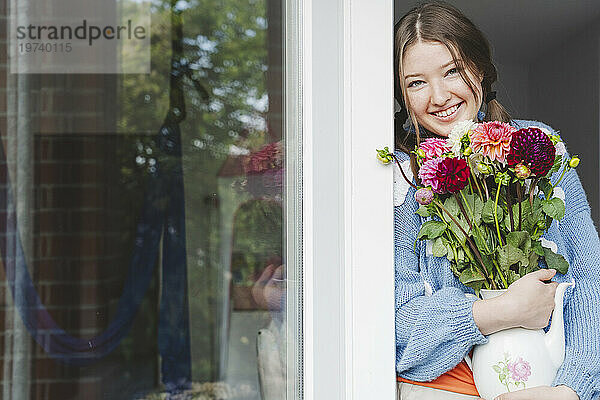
{"type": "Point", "coordinates": [513, 373]}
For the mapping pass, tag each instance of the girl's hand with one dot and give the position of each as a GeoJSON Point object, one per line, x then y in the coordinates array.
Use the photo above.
{"type": "Point", "coordinates": [561, 392]}
{"type": "Point", "coordinates": [269, 288]}
{"type": "Point", "coordinates": [527, 303]}
{"type": "Point", "coordinates": [531, 299]}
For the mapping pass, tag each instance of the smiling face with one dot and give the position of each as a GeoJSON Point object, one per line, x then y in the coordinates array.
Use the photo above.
{"type": "Point", "coordinates": [437, 94]}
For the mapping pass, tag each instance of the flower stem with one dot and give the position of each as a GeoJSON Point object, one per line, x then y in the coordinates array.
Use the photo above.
{"type": "Point", "coordinates": [510, 208]}
{"type": "Point", "coordinates": [533, 185]}
{"type": "Point", "coordinates": [462, 208]}
{"type": "Point", "coordinates": [565, 169]}
{"type": "Point", "coordinates": [487, 193]}
{"type": "Point", "coordinates": [466, 202]}
{"type": "Point", "coordinates": [476, 182]}
{"type": "Point", "coordinates": [485, 243]}
{"type": "Point", "coordinates": [401, 170]}
{"type": "Point", "coordinates": [469, 240]}
{"type": "Point", "coordinates": [496, 214]}
{"type": "Point", "coordinates": [520, 198]}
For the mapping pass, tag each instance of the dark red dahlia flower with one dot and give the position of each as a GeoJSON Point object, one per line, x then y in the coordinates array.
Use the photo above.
{"type": "Point", "coordinates": [532, 147]}
{"type": "Point", "coordinates": [453, 174]}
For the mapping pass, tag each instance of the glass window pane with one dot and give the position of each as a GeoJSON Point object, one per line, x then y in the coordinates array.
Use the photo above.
{"type": "Point", "coordinates": [144, 217]}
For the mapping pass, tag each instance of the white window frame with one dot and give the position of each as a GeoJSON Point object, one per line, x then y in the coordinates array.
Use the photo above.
{"type": "Point", "coordinates": [347, 112]}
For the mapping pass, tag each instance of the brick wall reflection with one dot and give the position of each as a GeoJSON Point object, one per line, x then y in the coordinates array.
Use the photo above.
{"type": "Point", "coordinates": [83, 221]}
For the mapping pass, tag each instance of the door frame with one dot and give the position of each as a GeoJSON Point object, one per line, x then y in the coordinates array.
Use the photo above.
{"type": "Point", "coordinates": [347, 112]}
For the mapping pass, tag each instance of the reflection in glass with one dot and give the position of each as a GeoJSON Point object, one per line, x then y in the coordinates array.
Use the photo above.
{"type": "Point", "coordinates": [142, 217]}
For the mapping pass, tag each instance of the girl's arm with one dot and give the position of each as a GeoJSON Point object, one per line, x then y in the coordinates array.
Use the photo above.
{"type": "Point", "coordinates": [433, 333]}
{"type": "Point", "coordinates": [581, 368]}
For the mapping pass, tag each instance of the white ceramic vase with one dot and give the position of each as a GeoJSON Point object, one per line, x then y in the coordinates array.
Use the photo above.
{"type": "Point", "coordinates": [518, 358]}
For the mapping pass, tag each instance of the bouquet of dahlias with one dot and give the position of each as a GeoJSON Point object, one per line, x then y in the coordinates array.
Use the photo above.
{"type": "Point", "coordinates": [264, 171]}
{"type": "Point", "coordinates": [488, 199]}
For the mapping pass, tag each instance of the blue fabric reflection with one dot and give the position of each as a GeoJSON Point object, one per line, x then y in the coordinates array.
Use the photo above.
{"type": "Point", "coordinates": [163, 212]}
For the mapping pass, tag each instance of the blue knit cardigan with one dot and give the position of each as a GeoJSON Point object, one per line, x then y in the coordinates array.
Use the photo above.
{"type": "Point", "coordinates": [434, 333]}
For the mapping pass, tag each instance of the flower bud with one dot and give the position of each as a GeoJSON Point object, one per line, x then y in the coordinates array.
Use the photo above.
{"type": "Point", "coordinates": [384, 155]}
{"type": "Point", "coordinates": [482, 168]}
{"type": "Point", "coordinates": [502, 178]}
{"type": "Point", "coordinates": [468, 151]}
{"type": "Point", "coordinates": [521, 171]}
{"type": "Point", "coordinates": [421, 153]}
{"type": "Point", "coordinates": [574, 162]}
{"type": "Point", "coordinates": [384, 159]}
{"type": "Point", "coordinates": [424, 196]}
{"type": "Point", "coordinates": [541, 224]}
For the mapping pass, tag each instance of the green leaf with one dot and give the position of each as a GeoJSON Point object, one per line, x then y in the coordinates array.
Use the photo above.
{"type": "Point", "coordinates": [460, 253]}
{"type": "Point", "coordinates": [554, 208]}
{"type": "Point", "coordinates": [536, 245]}
{"type": "Point", "coordinates": [556, 165]}
{"type": "Point", "coordinates": [474, 204]}
{"type": "Point", "coordinates": [452, 206]}
{"type": "Point", "coordinates": [556, 261]}
{"type": "Point", "coordinates": [449, 252]}
{"type": "Point", "coordinates": [487, 212]}
{"type": "Point", "coordinates": [502, 377]}
{"type": "Point", "coordinates": [476, 286]}
{"type": "Point", "coordinates": [488, 264]}
{"type": "Point", "coordinates": [528, 217]}
{"type": "Point", "coordinates": [520, 239]}
{"type": "Point", "coordinates": [497, 369]}
{"type": "Point", "coordinates": [537, 215]}
{"type": "Point", "coordinates": [455, 270]}
{"type": "Point", "coordinates": [509, 255]}
{"type": "Point", "coordinates": [533, 264]}
{"type": "Point", "coordinates": [431, 230]}
{"type": "Point", "coordinates": [502, 178]}
{"type": "Point", "coordinates": [423, 211]}
{"type": "Point", "coordinates": [470, 275]}
{"type": "Point", "coordinates": [512, 276]}
{"type": "Point", "coordinates": [481, 243]}
{"type": "Point", "coordinates": [491, 238]}
{"type": "Point", "coordinates": [439, 248]}
{"type": "Point", "coordinates": [457, 231]}
{"type": "Point", "coordinates": [533, 260]}
{"type": "Point", "coordinates": [545, 186]}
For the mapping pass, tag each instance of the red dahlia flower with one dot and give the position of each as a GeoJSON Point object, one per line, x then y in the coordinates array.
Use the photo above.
{"type": "Point", "coordinates": [534, 149]}
{"type": "Point", "coordinates": [453, 174]}
{"type": "Point", "coordinates": [445, 175]}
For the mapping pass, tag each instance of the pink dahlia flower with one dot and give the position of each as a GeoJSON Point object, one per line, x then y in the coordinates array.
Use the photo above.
{"type": "Point", "coordinates": [519, 370]}
{"type": "Point", "coordinates": [434, 147]}
{"type": "Point", "coordinates": [428, 174]}
{"type": "Point", "coordinates": [445, 175]}
{"type": "Point", "coordinates": [492, 139]}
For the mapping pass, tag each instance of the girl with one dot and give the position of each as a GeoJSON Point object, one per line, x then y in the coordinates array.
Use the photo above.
{"type": "Point", "coordinates": [444, 74]}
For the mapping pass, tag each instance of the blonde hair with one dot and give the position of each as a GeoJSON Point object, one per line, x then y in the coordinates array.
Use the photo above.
{"type": "Point", "coordinates": [440, 22]}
